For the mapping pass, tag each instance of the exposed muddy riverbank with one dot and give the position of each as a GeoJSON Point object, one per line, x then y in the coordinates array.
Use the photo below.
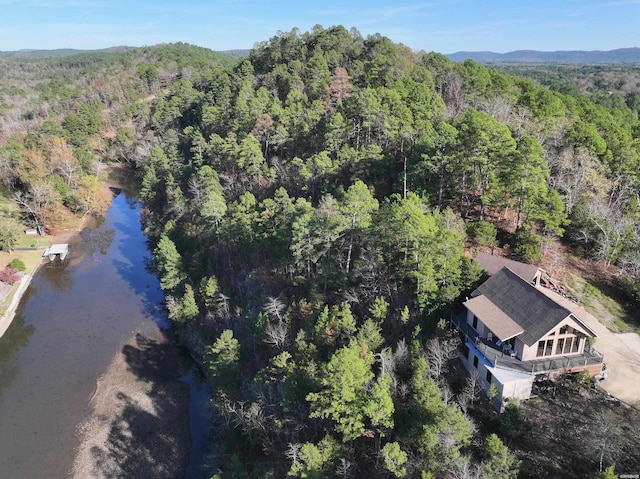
{"type": "Point", "coordinates": [87, 366]}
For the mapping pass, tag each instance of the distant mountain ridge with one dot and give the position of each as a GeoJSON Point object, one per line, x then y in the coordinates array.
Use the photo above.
{"type": "Point", "coordinates": [29, 53]}
{"type": "Point", "coordinates": [57, 53]}
{"type": "Point", "coordinates": [620, 55]}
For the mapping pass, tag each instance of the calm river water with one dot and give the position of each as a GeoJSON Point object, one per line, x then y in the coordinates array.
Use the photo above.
{"type": "Point", "coordinates": [71, 322]}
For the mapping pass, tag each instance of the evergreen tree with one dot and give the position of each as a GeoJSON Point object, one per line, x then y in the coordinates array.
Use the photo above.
{"type": "Point", "coordinates": [169, 264]}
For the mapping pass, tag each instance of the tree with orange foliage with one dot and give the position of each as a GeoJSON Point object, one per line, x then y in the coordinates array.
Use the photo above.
{"type": "Point", "coordinates": [339, 88]}
{"type": "Point", "coordinates": [92, 197]}
{"type": "Point", "coordinates": [263, 130]}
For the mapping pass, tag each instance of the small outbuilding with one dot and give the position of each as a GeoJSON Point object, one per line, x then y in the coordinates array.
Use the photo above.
{"type": "Point", "coordinates": [56, 251]}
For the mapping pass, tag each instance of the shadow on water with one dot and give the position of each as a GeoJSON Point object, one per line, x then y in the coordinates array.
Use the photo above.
{"type": "Point", "coordinates": [203, 458]}
{"type": "Point", "coordinates": [15, 338]}
{"type": "Point", "coordinates": [133, 265]}
{"type": "Point", "coordinates": [97, 241]}
{"type": "Point", "coordinates": [148, 440]}
{"type": "Point", "coordinates": [160, 365]}
{"type": "Point", "coordinates": [60, 278]}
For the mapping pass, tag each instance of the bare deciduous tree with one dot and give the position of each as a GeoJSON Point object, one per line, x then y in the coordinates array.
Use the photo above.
{"type": "Point", "coordinates": [387, 361]}
{"type": "Point", "coordinates": [222, 308]}
{"type": "Point", "coordinates": [462, 467]}
{"type": "Point", "coordinates": [447, 392]}
{"type": "Point", "coordinates": [630, 262]}
{"type": "Point", "coordinates": [604, 437]}
{"type": "Point", "coordinates": [439, 353]}
{"type": "Point", "coordinates": [572, 174]}
{"type": "Point", "coordinates": [344, 468]}
{"type": "Point", "coordinates": [470, 392]}
{"type": "Point", "coordinates": [401, 353]}
{"type": "Point", "coordinates": [607, 227]}
{"type": "Point", "coordinates": [276, 334]}
{"type": "Point", "coordinates": [274, 307]}
{"type": "Point", "coordinates": [292, 452]}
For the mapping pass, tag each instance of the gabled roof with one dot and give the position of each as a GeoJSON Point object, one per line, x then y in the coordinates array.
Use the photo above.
{"type": "Point", "coordinates": [534, 312]}
{"type": "Point", "coordinates": [493, 264]}
{"type": "Point", "coordinates": [497, 321]}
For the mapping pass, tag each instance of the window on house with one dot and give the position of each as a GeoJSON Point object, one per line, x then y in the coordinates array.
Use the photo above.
{"type": "Point", "coordinates": [560, 346]}
{"type": "Point", "coordinates": [563, 329]}
{"type": "Point", "coordinates": [545, 348]}
{"type": "Point", "coordinates": [576, 345]}
{"type": "Point", "coordinates": [568, 344]}
{"type": "Point", "coordinates": [465, 351]}
{"type": "Point", "coordinates": [475, 322]}
{"type": "Point", "coordinates": [548, 351]}
{"type": "Point", "coordinates": [489, 376]}
{"type": "Point", "coordinates": [475, 361]}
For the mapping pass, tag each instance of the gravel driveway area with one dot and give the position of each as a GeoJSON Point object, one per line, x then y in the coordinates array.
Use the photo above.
{"type": "Point", "coordinates": [621, 353]}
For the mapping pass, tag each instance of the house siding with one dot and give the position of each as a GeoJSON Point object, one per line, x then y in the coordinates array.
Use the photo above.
{"type": "Point", "coordinates": [520, 389]}
{"type": "Point", "coordinates": [519, 348]}
{"type": "Point", "coordinates": [480, 327]}
{"type": "Point", "coordinates": [513, 389]}
{"type": "Point", "coordinates": [531, 352]}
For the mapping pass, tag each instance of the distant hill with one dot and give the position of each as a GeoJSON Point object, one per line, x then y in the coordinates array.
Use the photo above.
{"type": "Point", "coordinates": [237, 53]}
{"type": "Point", "coordinates": [58, 53]}
{"type": "Point", "coordinates": [621, 55]}
{"type": "Point", "coordinates": [29, 54]}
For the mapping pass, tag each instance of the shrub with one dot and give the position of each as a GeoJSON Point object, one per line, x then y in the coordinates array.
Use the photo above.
{"type": "Point", "coordinates": [581, 380]}
{"type": "Point", "coordinates": [17, 263]}
{"type": "Point", "coordinates": [10, 275]}
{"type": "Point", "coordinates": [510, 420]}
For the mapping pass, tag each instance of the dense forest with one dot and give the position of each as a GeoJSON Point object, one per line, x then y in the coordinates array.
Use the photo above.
{"type": "Point", "coordinates": [309, 207]}
{"type": "Point", "coordinates": [612, 86]}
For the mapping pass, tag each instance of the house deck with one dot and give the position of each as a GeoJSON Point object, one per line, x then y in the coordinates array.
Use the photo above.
{"type": "Point", "coordinates": [496, 356]}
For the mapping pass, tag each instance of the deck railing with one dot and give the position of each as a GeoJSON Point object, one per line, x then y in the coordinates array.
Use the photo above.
{"type": "Point", "coordinates": [495, 355]}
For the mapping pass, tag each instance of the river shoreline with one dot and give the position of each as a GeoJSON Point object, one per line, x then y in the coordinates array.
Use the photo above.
{"type": "Point", "coordinates": [71, 235]}
{"type": "Point", "coordinates": [10, 313]}
{"type": "Point", "coordinates": [139, 425]}
{"type": "Point", "coordinates": [137, 421]}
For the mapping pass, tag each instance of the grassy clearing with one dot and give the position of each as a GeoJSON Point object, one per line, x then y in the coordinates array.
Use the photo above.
{"type": "Point", "coordinates": [30, 258]}
{"type": "Point", "coordinates": [606, 303]}
{"type": "Point", "coordinates": [33, 241]}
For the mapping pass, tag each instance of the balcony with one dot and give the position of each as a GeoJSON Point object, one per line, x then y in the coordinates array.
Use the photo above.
{"type": "Point", "coordinates": [495, 355]}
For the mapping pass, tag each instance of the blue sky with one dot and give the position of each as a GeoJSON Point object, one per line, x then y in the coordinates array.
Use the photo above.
{"type": "Point", "coordinates": [442, 26]}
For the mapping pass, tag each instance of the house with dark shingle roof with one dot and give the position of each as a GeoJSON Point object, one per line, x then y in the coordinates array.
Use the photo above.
{"type": "Point", "coordinates": [492, 264]}
{"type": "Point", "coordinates": [514, 331]}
